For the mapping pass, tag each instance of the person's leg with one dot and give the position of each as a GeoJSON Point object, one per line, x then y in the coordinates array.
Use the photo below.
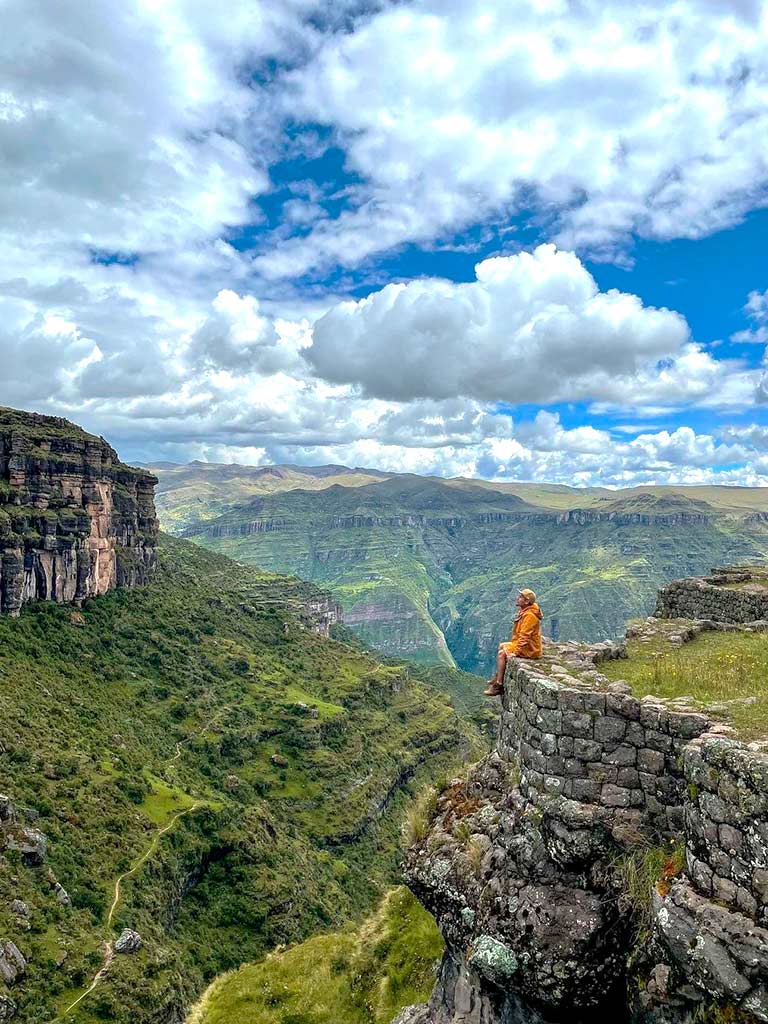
{"type": "Point", "coordinates": [495, 683]}
{"type": "Point", "coordinates": [501, 666]}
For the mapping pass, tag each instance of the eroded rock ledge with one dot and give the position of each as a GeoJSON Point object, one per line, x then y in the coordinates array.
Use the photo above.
{"type": "Point", "coordinates": [74, 520]}
{"type": "Point", "coordinates": [526, 864]}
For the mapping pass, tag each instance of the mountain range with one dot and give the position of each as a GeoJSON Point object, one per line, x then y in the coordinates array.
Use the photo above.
{"type": "Point", "coordinates": [427, 568]}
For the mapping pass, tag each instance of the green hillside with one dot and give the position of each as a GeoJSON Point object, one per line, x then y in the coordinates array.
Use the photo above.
{"type": "Point", "coordinates": [208, 771]}
{"type": "Point", "coordinates": [427, 569]}
{"type": "Point", "coordinates": [199, 491]}
{"type": "Point", "coordinates": [362, 975]}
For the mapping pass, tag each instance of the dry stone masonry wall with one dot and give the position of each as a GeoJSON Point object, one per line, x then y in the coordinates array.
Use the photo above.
{"type": "Point", "coordinates": [528, 864]}
{"type": "Point", "coordinates": [74, 521]}
{"type": "Point", "coordinates": [727, 595]}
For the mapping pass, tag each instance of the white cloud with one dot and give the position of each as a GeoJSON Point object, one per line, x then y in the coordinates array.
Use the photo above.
{"type": "Point", "coordinates": [612, 118]}
{"type": "Point", "coordinates": [141, 132]}
{"type": "Point", "coordinates": [532, 328]}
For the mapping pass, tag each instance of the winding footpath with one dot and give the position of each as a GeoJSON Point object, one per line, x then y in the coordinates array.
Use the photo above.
{"type": "Point", "coordinates": [109, 946]}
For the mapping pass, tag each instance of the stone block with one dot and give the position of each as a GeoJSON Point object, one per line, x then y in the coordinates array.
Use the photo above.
{"type": "Point", "coordinates": [576, 723]}
{"type": "Point", "coordinates": [658, 740]}
{"type": "Point", "coordinates": [574, 767]}
{"type": "Point", "coordinates": [602, 773]}
{"type": "Point", "coordinates": [723, 889]}
{"type": "Point", "coordinates": [701, 875]}
{"type": "Point", "coordinates": [746, 902]}
{"type": "Point", "coordinates": [587, 750]}
{"type": "Point", "coordinates": [623, 755]}
{"type": "Point", "coordinates": [760, 884]}
{"type": "Point", "coordinates": [571, 700]}
{"type": "Point", "coordinates": [635, 734]}
{"type": "Point", "coordinates": [687, 725]}
{"type": "Point", "coordinates": [615, 796]}
{"type": "Point", "coordinates": [553, 785]}
{"type": "Point", "coordinates": [623, 706]}
{"type": "Point", "coordinates": [548, 743]}
{"type": "Point", "coordinates": [547, 694]}
{"type": "Point", "coordinates": [555, 765]}
{"type": "Point", "coordinates": [714, 808]}
{"type": "Point", "coordinates": [609, 730]}
{"type": "Point", "coordinates": [629, 778]}
{"type": "Point", "coordinates": [650, 761]}
{"type": "Point", "coordinates": [548, 720]}
{"type": "Point", "coordinates": [585, 790]}
{"type": "Point", "coordinates": [731, 840]}
{"type": "Point", "coordinates": [594, 702]}
{"type": "Point", "coordinates": [653, 716]}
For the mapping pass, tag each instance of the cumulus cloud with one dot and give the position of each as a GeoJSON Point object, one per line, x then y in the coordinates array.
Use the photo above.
{"type": "Point", "coordinates": [135, 138]}
{"type": "Point", "coordinates": [531, 328]}
{"type": "Point", "coordinates": [612, 119]}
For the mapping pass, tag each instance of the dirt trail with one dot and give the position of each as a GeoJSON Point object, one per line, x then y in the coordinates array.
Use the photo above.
{"type": "Point", "coordinates": [109, 952]}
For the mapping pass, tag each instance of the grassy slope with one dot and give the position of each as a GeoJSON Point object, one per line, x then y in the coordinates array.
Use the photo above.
{"type": "Point", "coordinates": [114, 720]}
{"type": "Point", "coordinates": [362, 975]}
{"type": "Point", "coordinates": [438, 593]}
{"type": "Point", "coordinates": [192, 493]}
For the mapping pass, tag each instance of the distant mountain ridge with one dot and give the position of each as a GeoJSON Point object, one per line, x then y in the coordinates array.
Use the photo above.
{"type": "Point", "coordinates": [426, 567]}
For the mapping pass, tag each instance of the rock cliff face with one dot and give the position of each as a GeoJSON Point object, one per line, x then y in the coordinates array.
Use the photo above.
{"type": "Point", "coordinates": [74, 521]}
{"type": "Point", "coordinates": [525, 864]}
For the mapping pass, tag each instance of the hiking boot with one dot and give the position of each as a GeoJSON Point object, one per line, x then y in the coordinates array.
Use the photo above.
{"type": "Point", "coordinates": [494, 690]}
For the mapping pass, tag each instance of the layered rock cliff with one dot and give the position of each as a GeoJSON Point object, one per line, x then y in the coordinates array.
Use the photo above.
{"type": "Point", "coordinates": [74, 520]}
{"type": "Point", "coordinates": [529, 864]}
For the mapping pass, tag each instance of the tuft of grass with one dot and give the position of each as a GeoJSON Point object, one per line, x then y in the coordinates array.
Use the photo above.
{"type": "Point", "coordinates": [647, 869]}
{"type": "Point", "coordinates": [418, 817]}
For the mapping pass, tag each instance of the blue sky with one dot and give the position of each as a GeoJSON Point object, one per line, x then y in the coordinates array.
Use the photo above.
{"type": "Point", "coordinates": [435, 237]}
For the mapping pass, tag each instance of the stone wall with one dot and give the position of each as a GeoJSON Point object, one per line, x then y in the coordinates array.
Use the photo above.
{"type": "Point", "coordinates": [522, 863]}
{"type": "Point", "coordinates": [74, 521]}
{"type": "Point", "coordinates": [604, 749]}
{"type": "Point", "coordinates": [726, 824]}
{"type": "Point", "coordinates": [727, 595]}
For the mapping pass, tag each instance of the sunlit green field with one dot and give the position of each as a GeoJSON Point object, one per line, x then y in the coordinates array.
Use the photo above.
{"type": "Point", "coordinates": [356, 976]}
{"type": "Point", "coordinates": [729, 670]}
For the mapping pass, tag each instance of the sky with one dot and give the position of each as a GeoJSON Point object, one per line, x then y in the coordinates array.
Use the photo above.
{"type": "Point", "coordinates": [519, 241]}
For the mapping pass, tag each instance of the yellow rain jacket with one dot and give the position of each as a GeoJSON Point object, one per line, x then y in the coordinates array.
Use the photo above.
{"type": "Point", "coordinates": [526, 634]}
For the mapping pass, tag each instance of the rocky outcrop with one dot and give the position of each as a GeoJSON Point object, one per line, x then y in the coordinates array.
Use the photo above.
{"type": "Point", "coordinates": [731, 594]}
{"type": "Point", "coordinates": [74, 520]}
{"type": "Point", "coordinates": [128, 941]}
{"type": "Point", "coordinates": [525, 864]}
{"type": "Point", "coordinates": [21, 838]}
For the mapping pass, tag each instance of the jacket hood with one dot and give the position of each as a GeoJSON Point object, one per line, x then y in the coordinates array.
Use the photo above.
{"type": "Point", "coordinates": [533, 608]}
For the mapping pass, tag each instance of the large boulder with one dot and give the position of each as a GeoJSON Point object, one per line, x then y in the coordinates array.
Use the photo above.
{"type": "Point", "coordinates": [129, 941]}
{"type": "Point", "coordinates": [13, 964]}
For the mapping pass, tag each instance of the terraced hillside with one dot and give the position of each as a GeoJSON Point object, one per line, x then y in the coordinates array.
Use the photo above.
{"type": "Point", "coordinates": [193, 761]}
{"type": "Point", "coordinates": [428, 568]}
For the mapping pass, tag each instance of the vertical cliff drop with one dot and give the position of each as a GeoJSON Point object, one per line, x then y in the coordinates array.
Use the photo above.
{"type": "Point", "coordinates": [528, 864]}
{"type": "Point", "coordinates": [74, 520]}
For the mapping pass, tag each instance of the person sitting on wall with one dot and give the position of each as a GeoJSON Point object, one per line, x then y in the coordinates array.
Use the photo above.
{"type": "Point", "coordinates": [524, 643]}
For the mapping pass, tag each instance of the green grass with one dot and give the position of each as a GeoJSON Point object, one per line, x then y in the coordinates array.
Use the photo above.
{"type": "Point", "coordinates": [115, 720]}
{"type": "Point", "coordinates": [714, 668]}
{"type": "Point", "coordinates": [356, 976]}
{"type": "Point", "coordinates": [163, 801]}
